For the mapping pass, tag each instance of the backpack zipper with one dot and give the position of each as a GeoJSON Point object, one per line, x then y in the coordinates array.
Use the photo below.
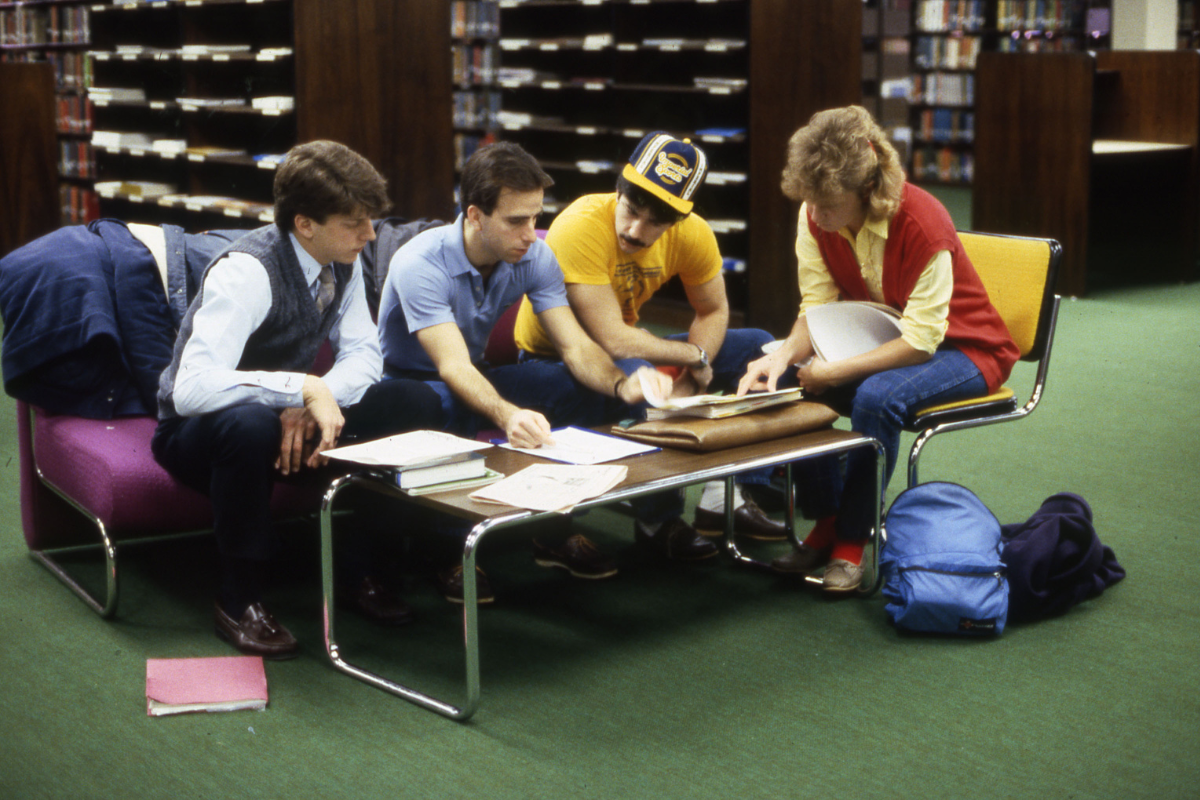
{"type": "Point", "coordinates": [999, 575]}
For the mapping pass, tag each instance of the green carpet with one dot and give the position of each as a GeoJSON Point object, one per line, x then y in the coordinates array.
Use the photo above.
{"type": "Point", "coordinates": [669, 682]}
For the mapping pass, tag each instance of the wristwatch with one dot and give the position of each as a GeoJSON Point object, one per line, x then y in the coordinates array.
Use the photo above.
{"type": "Point", "coordinates": [703, 362]}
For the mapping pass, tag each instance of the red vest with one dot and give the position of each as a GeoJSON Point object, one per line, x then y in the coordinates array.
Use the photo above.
{"type": "Point", "coordinates": [920, 228]}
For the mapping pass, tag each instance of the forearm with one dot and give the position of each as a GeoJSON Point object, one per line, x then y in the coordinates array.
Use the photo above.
{"type": "Point", "coordinates": [891, 355]}
{"type": "Point", "coordinates": [708, 331]}
{"type": "Point", "coordinates": [470, 386]}
{"type": "Point", "coordinates": [592, 367]}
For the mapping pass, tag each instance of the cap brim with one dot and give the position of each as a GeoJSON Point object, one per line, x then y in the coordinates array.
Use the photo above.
{"type": "Point", "coordinates": [637, 179]}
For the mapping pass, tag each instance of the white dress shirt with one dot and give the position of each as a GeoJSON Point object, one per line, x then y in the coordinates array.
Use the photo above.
{"type": "Point", "coordinates": [237, 299]}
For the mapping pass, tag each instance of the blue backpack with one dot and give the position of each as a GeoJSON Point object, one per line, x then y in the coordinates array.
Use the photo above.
{"type": "Point", "coordinates": [941, 565]}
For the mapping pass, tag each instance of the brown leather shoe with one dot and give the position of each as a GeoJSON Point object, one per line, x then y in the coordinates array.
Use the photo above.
{"type": "Point", "coordinates": [257, 633]}
{"type": "Point", "coordinates": [748, 520]}
{"type": "Point", "coordinates": [450, 583]}
{"type": "Point", "coordinates": [371, 599]}
{"type": "Point", "coordinates": [578, 555]}
{"type": "Point", "coordinates": [800, 561]}
{"type": "Point", "coordinates": [675, 540]}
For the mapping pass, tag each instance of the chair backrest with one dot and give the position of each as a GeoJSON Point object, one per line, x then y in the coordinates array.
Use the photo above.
{"type": "Point", "coordinates": [1019, 274]}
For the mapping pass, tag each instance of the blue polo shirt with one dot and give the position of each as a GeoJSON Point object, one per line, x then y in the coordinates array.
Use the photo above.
{"type": "Point", "coordinates": [430, 281]}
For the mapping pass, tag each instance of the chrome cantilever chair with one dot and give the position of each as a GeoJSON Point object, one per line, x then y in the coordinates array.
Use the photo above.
{"type": "Point", "coordinates": [1019, 274]}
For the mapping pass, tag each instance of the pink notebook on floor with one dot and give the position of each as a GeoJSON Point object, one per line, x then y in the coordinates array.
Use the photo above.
{"type": "Point", "coordinates": [222, 683]}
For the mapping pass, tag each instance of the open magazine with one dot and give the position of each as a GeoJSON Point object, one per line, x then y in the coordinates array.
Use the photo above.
{"type": "Point", "coordinates": [851, 327]}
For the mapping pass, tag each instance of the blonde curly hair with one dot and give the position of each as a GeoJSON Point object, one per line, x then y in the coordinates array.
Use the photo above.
{"type": "Point", "coordinates": [844, 150]}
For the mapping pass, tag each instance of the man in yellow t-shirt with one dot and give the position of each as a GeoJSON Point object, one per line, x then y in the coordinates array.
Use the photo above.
{"type": "Point", "coordinates": [615, 251]}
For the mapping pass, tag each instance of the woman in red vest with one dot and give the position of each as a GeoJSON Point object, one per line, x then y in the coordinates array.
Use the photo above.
{"type": "Point", "coordinates": [866, 234]}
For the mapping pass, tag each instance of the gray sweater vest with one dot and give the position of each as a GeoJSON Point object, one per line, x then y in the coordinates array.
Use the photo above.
{"type": "Point", "coordinates": [292, 333]}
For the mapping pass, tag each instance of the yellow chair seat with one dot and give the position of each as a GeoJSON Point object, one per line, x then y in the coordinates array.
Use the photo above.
{"type": "Point", "coordinates": [1004, 398]}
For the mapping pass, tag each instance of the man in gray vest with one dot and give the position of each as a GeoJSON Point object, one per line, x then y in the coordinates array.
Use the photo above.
{"type": "Point", "coordinates": [239, 405]}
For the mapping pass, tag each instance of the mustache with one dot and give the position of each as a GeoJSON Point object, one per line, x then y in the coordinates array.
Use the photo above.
{"type": "Point", "coordinates": [632, 241]}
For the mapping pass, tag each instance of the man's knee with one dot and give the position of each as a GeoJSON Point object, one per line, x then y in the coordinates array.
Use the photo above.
{"type": "Point", "coordinates": [249, 430]}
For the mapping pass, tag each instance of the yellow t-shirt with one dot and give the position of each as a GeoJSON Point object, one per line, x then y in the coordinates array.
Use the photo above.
{"type": "Point", "coordinates": [584, 239]}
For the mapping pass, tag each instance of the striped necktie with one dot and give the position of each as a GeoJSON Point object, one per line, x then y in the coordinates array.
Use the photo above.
{"type": "Point", "coordinates": [324, 288]}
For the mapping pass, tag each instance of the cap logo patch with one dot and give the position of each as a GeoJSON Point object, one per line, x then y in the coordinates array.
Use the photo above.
{"type": "Point", "coordinates": [672, 168]}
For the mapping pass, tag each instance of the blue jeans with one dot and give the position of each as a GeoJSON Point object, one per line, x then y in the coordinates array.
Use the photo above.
{"type": "Point", "coordinates": [879, 406]}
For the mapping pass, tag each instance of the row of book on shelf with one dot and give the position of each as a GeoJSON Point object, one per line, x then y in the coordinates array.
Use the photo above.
{"type": "Point", "coordinates": [944, 164]}
{"type": "Point", "coordinates": [945, 125]}
{"type": "Point", "coordinates": [473, 64]}
{"type": "Point", "coordinates": [78, 204]}
{"type": "Point", "coordinates": [75, 159]}
{"type": "Point", "coordinates": [946, 52]}
{"type": "Point", "coordinates": [949, 15]}
{"type": "Point", "coordinates": [476, 109]}
{"type": "Point", "coordinates": [74, 113]}
{"type": "Point", "coordinates": [941, 88]}
{"type": "Point", "coordinates": [52, 24]}
{"type": "Point", "coordinates": [1052, 15]}
{"type": "Point", "coordinates": [469, 19]}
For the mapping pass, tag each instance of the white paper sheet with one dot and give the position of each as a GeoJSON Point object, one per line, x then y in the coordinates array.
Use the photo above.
{"type": "Point", "coordinates": [553, 487]}
{"type": "Point", "coordinates": [580, 446]}
{"type": "Point", "coordinates": [406, 449]}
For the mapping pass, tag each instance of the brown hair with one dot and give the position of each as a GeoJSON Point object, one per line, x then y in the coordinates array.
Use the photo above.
{"type": "Point", "coordinates": [321, 178]}
{"type": "Point", "coordinates": [495, 167]}
{"type": "Point", "coordinates": [844, 150]}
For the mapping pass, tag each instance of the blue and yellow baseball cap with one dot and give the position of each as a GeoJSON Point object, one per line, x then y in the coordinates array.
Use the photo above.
{"type": "Point", "coordinates": [670, 169]}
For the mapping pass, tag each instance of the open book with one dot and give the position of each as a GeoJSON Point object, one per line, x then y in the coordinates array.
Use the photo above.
{"type": "Point", "coordinates": [851, 327]}
{"type": "Point", "coordinates": [717, 406]}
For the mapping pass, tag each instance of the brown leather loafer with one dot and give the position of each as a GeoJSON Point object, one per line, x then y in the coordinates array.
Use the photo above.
{"type": "Point", "coordinates": [800, 561]}
{"type": "Point", "coordinates": [257, 633]}
{"type": "Point", "coordinates": [372, 600]}
{"type": "Point", "coordinates": [450, 583]}
{"type": "Point", "coordinates": [748, 520]}
{"type": "Point", "coordinates": [578, 555]}
{"type": "Point", "coordinates": [675, 540]}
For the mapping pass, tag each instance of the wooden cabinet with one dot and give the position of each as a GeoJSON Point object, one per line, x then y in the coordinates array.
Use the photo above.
{"type": "Point", "coordinates": [196, 101]}
{"type": "Point", "coordinates": [27, 154]}
{"type": "Point", "coordinates": [1098, 150]}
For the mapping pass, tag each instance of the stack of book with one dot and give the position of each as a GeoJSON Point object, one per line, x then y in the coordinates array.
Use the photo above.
{"type": "Point", "coordinates": [460, 471]}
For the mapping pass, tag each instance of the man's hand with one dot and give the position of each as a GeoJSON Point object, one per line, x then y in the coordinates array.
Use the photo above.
{"type": "Point", "coordinates": [529, 429]}
{"type": "Point", "coordinates": [645, 381]}
{"type": "Point", "coordinates": [301, 425]}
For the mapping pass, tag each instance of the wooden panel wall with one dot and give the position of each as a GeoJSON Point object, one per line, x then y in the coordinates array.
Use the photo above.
{"type": "Point", "coordinates": [375, 75]}
{"type": "Point", "coordinates": [1036, 118]}
{"type": "Point", "coordinates": [1033, 150]}
{"type": "Point", "coordinates": [804, 57]}
{"type": "Point", "coordinates": [28, 155]}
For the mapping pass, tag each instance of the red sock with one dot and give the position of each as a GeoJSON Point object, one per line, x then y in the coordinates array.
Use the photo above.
{"type": "Point", "coordinates": [848, 551]}
{"type": "Point", "coordinates": [824, 533]}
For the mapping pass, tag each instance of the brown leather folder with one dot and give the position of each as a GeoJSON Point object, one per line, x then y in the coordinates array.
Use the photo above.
{"type": "Point", "coordinates": [703, 435]}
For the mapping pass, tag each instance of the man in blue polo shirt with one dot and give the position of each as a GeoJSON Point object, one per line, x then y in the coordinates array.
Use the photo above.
{"type": "Point", "coordinates": [445, 290]}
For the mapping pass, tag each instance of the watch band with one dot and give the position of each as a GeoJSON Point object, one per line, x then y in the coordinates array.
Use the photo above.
{"type": "Point", "coordinates": [703, 362]}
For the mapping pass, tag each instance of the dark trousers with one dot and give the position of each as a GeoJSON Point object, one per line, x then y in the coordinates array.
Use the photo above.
{"type": "Point", "coordinates": [230, 456]}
